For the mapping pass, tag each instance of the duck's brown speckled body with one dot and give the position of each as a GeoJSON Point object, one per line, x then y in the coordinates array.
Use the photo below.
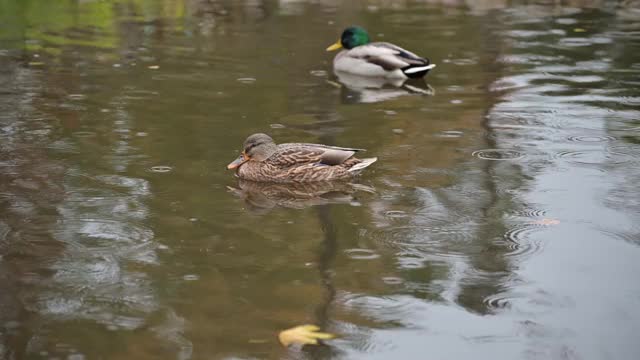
{"type": "Point", "coordinates": [263, 160]}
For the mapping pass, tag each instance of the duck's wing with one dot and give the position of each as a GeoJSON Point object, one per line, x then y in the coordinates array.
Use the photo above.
{"type": "Point", "coordinates": [317, 146]}
{"type": "Point", "coordinates": [391, 57]}
{"type": "Point", "coordinates": [298, 153]}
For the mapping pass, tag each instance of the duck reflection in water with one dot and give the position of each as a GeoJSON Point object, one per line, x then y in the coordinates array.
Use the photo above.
{"type": "Point", "coordinates": [262, 197]}
{"type": "Point", "coordinates": [365, 89]}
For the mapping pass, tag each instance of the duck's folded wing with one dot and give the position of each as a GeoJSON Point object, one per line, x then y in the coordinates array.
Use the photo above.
{"type": "Point", "coordinates": [317, 146]}
{"type": "Point", "coordinates": [335, 156]}
{"type": "Point", "coordinates": [296, 154]}
{"type": "Point", "coordinates": [404, 54]}
{"type": "Point", "coordinates": [388, 56]}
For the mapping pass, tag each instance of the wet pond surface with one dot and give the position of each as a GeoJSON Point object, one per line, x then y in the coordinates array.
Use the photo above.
{"type": "Point", "coordinates": [501, 221]}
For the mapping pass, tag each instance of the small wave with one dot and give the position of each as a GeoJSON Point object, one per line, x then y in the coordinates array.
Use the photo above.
{"type": "Point", "coordinates": [396, 214]}
{"type": "Point", "coordinates": [384, 308]}
{"type": "Point", "coordinates": [498, 302]}
{"type": "Point", "coordinates": [519, 240]}
{"type": "Point", "coordinates": [161, 169]}
{"type": "Point", "coordinates": [392, 280]}
{"type": "Point", "coordinates": [361, 254]}
{"type": "Point", "coordinates": [318, 73]}
{"type": "Point", "coordinates": [624, 235]}
{"type": "Point", "coordinates": [101, 234]}
{"type": "Point", "coordinates": [85, 134]}
{"type": "Point", "coordinates": [591, 138]}
{"type": "Point", "coordinates": [498, 154]}
{"type": "Point", "coordinates": [594, 157]}
{"type": "Point", "coordinates": [246, 80]}
{"type": "Point", "coordinates": [528, 213]}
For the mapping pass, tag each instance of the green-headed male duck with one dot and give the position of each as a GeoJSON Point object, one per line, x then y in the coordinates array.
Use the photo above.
{"type": "Point", "coordinates": [376, 59]}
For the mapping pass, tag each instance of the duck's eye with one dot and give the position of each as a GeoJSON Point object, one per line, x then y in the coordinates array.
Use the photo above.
{"type": "Point", "coordinates": [251, 146]}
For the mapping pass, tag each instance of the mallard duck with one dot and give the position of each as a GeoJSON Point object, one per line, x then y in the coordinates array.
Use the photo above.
{"type": "Point", "coordinates": [379, 59]}
{"type": "Point", "coordinates": [262, 160]}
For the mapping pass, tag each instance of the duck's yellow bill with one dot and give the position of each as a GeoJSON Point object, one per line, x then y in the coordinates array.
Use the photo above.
{"type": "Point", "coordinates": [335, 46]}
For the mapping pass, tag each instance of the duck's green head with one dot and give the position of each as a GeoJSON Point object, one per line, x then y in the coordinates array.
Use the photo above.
{"type": "Point", "coordinates": [351, 37]}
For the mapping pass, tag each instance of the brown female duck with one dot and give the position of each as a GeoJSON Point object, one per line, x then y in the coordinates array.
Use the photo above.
{"type": "Point", "coordinates": [263, 160]}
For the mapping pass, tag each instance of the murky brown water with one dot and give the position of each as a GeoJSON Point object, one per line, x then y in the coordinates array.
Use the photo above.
{"type": "Point", "coordinates": [502, 220]}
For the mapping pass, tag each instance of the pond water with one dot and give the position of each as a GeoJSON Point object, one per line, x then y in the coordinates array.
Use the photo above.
{"type": "Point", "coordinates": [501, 221]}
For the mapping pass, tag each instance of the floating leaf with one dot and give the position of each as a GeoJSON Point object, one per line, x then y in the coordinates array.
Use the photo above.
{"type": "Point", "coordinates": [258, 341]}
{"type": "Point", "coordinates": [547, 222]}
{"type": "Point", "coordinates": [579, 30]}
{"type": "Point", "coordinates": [303, 335]}
{"type": "Point", "coordinates": [334, 84]}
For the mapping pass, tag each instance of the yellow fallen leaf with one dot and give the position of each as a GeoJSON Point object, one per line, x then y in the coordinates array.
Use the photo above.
{"type": "Point", "coordinates": [579, 30]}
{"type": "Point", "coordinates": [303, 335]}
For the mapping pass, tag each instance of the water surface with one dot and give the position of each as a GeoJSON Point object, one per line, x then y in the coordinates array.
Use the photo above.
{"type": "Point", "coordinates": [501, 220]}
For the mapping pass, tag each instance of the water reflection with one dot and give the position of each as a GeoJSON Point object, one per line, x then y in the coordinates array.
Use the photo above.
{"type": "Point", "coordinates": [360, 89]}
{"type": "Point", "coordinates": [30, 190]}
{"type": "Point", "coordinates": [262, 197]}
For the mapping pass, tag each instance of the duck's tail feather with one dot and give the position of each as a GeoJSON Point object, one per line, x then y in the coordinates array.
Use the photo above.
{"type": "Point", "coordinates": [418, 71]}
{"type": "Point", "coordinates": [363, 164]}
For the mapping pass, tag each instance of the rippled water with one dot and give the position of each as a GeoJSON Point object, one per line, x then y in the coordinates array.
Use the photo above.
{"type": "Point", "coordinates": [501, 220]}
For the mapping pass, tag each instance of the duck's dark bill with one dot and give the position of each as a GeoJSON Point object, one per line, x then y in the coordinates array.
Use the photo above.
{"type": "Point", "coordinates": [237, 162]}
